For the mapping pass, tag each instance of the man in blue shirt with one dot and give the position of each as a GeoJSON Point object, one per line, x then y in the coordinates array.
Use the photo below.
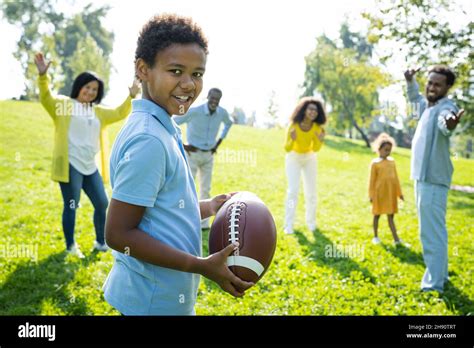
{"type": "Point", "coordinates": [431, 168]}
{"type": "Point", "coordinates": [204, 122]}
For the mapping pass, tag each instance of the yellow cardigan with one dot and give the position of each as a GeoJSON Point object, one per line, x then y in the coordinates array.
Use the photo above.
{"type": "Point", "coordinates": [59, 108]}
{"type": "Point", "coordinates": [305, 141]}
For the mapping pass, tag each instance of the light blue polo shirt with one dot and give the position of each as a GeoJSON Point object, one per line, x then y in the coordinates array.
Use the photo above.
{"type": "Point", "coordinates": [148, 168]}
{"type": "Point", "coordinates": [203, 127]}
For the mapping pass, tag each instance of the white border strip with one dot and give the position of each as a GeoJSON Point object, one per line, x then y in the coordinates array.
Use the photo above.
{"type": "Point", "coordinates": [247, 262]}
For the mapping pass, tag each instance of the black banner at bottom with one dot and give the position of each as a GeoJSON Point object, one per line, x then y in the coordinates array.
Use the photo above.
{"type": "Point", "coordinates": [287, 330]}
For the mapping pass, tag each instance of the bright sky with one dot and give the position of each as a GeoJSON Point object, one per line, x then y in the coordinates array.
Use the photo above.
{"type": "Point", "coordinates": [256, 46]}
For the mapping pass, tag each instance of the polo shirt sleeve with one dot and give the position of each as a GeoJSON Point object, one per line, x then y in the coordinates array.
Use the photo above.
{"type": "Point", "coordinates": [140, 171]}
{"type": "Point", "coordinates": [183, 119]}
{"type": "Point", "coordinates": [227, 124]}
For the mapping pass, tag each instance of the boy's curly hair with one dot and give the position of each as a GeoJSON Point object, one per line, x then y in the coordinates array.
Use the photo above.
{"type": "Point", "coordinates": [382, 140]}
{"type": "Point", "coordinates": [161, 31]}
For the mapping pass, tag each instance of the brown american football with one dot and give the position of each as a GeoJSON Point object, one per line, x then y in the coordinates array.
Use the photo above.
{"type": "Point", "coordinates": [244, 218]}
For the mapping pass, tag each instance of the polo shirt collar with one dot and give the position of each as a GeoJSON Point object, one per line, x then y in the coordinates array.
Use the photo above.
{"type": "Point", "coordinates": [145, 105]}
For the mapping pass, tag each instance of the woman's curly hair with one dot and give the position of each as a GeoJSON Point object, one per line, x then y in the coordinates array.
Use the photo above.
{"type": "Point", "coordinates": [161, 31]}
{"type": "Point", "coordinates": [298, 114]}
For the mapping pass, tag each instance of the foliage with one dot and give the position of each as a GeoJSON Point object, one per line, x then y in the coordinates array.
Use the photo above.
{"type": "Point", "coordinates": [272, 109]}
{"type": "Point", "coordinates": [44, 28]}
{"type": "Point", "coordinates": [424, 31]}
{"type": "Point", "coordinates": [347, 81]}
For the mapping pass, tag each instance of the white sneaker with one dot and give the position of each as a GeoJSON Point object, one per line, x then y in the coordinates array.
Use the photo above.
{"type": "Point", "coordinates": [376, 240]}
{"type": "Point", "coordinates": [75, 251]}
{"type": "Point", "coordinates": [401, 242]}
{"type": "Point", "coordinates": [288, 230]}
{"type": "Point", "coordinates": [100, 247]}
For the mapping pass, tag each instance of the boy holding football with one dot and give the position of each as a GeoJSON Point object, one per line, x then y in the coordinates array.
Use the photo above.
{"type": "Point", "coordinates": [153, 222]}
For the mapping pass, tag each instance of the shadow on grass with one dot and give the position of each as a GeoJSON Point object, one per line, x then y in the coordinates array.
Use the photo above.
{"type": "Point", "coordinates": [343, 265]}
{"type": "Point", "coordinates": [460, 200]}
{"type": "Point", "coordinates": [405, 254]}
{"type": "Point", "coordinates": [456, 300]}
{"type": "Point", "coordinates": [344, 145]}
{"type": "Point", "coordinates": [30, 284]}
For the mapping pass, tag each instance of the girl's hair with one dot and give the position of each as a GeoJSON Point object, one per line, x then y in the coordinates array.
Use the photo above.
{"type": "Point", "coordinates": [82, 80]}
{"type": "Point", "coordinates": [298, 113]}
{"type": "Point", "coordinates": [381, 140]}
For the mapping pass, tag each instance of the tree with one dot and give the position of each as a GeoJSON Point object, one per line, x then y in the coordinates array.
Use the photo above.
{"type": "Point", "coordinates": [355, 41]}
{"type": "Point", "coordinates": [31, 16]}
{"type": "Point", "coordinates": [423, 28]}
{"type": "Point", "coordinates": [272, 109]}
{"type": "Point", "coordinates": [87, 56]}
{"type": "Point", "coordinates": [238, 115]}
{"type": "Point", "coordinates": [347, 81]}
{"type": "Point", "coordinates": [47, 30]}
{"type": "Point", "coordinates": [84, 39]}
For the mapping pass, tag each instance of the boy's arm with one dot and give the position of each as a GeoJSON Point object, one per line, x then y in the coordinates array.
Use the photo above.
{"type": "Point", "coordinates": [122, 235]}
{"type": "Point", "coordinates": [209, 207]}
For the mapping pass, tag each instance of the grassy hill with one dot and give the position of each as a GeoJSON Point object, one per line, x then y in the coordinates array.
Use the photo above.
{"type": "Point", "coordinates": [304, 279]}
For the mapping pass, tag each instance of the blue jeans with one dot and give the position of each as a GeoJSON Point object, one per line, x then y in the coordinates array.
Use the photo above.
{"type": "Point", "coordinates": [71, 191]}
{"type": "Point", "coordinates": [431, 201]}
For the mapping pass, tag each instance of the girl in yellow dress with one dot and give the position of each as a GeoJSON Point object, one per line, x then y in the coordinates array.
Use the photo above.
{"type": "Point", "coordinates": [384, 186]}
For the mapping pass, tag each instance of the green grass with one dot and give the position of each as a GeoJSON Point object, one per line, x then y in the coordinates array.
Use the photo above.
{"type": "Point", "coordinates": [383, 280]}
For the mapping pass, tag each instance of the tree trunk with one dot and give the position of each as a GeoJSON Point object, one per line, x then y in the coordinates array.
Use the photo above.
{"type": "Point", "coordinates": [367, 142]}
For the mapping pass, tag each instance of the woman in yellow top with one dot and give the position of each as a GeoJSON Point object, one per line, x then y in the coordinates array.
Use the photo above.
{"type": "Point", "coordinates": [384, 186]}
{"type": "Point", "coordinates": [80, 132]}
{"type": "Point", "coordinates": [305, 136]}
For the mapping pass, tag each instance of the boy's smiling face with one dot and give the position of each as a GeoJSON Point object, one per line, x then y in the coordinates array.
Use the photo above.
{"type": "Point", "coordinates": [175, 81]}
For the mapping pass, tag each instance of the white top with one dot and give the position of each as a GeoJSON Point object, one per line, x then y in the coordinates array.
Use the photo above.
{"type": "Point", "coordinates": [418, 145]}
{"type": "Point", "coordinates": [83, 138]}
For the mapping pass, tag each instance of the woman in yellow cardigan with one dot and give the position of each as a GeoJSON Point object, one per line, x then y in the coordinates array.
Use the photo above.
{"type": "Point", "coordinates": [305, 136]}
{"type": "Point", "coordinates": [80, 132]}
